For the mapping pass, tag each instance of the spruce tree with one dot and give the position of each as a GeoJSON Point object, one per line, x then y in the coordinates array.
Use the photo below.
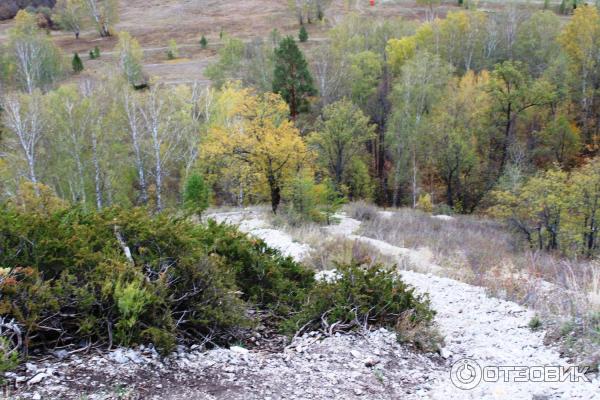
{"type": "Point", "coordinates": [303, 35]}
{"type": "Point", "coordinates": [196, 195]}
{"type": "Point", "coordinates": [203, 42]}
{"type": "Point", "coordinates": [96, 52]}
{"type": "Point", "coordinates": [77, 63]}
{"type": "Point", "coordinates": [291, 78]}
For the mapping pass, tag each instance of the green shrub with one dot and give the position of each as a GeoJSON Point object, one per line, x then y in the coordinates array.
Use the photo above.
{"type": "Point", "coordinates": [266, 278]}
{"type": "Point", "coordinates": [303, 35]}
{"type": "Point", "coordinates": [424, 203]}
{"type": "Point", "coordinates": [70, 271]}
{"type": "Point", "coordinates": [309, 201]}
{"type": "Point", "coordinates": [125, 277]}
{"type": "Point", "coordinates": [304, 198]}
{"type": "Point", "coordinates": [203, 42]}
{"type": "Point", "coordinates": [77, 64]}
{"type": "Point", "coordinates": [172, 52]}
{"type": "Point", "coordinates": [9, 359]}
{"type": "Point", "coordinates": [535, 323]}
{"type": "Point", "coordinates": [362, 296]}
{"type": "Point", "coordinates": [131, 299]}
{"type": "Point", "coordinates": [196, 195]}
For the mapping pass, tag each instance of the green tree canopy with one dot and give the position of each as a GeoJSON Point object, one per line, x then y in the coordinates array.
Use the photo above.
{"type": "Point", "coordinates": [292, 79]}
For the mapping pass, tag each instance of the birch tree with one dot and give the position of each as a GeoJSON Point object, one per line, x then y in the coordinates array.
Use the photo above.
{"type": "Point", "coordinates": [165, 119]}
{"type": "Point", "coordinates": [34, 58]}
{"type": "Point", "coordinates": [70, 15]}
{"type": "Point", "coordinates": [135, 127]}
{"type": "Point", "coordinates": [71, 126]}
{"type": "Point", "coordinates": [104, 14]}
{"type": "Point", "coordinates": [422, 81]}
{"type": "Point", "coordinates": [23, 119]}
{"type": "Point", "coordinates": [130, 59]}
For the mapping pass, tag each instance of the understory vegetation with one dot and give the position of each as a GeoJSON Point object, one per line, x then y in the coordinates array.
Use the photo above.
{"type": "Point", "coordinates": [73, 278]}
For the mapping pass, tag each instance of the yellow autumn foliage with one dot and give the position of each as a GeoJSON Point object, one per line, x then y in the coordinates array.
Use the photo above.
{"type": "Point", "coordinates": [254, 142]}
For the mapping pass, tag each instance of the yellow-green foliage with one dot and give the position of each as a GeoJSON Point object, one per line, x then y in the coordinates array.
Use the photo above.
{"type": "Point", "coordinates": [8, 358]}
{"type": "Point", "coordinates": [131, 299]}
{"type": "Point", "coordinates": [555, 210]}
{"type": "Point", "coordinates": [424, 203]}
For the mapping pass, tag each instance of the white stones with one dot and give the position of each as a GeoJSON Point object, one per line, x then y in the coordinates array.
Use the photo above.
{"type": "Point", "coordinates": [445, 353]}
{"type": "Point", "coordinates": [37, 378]}
{"type": "Point", "coordinates": [123, 356]}
{"type": "Point", "coordinates": [238, 350]}
{"type": "Point", "coordinates": [31, 368]}
{"type": "Point", "coordinates": [443, 217]}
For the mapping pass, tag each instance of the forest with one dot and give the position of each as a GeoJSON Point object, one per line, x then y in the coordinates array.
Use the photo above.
{"type": "Point", "coordinates": [472, 113]}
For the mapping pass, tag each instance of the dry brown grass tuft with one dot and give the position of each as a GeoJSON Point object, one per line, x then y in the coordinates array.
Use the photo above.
{"type": "Point", "coordinates": [362, 211]}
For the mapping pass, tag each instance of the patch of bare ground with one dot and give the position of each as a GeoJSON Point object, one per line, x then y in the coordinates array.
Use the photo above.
{"type": "Point", "coordinates": [349, 366]}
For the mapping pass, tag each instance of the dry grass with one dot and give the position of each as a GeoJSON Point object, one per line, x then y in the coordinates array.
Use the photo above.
{"type": "Point", "coordinates": [485, 253]}
{"type": "Point", "coordinates": [362, 211]}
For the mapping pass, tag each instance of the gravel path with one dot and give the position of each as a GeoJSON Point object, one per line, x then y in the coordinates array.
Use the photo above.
{"type": "Point", "coordinates": [251, 222]}
{"type": "Point", "coordinates": [489, 331]}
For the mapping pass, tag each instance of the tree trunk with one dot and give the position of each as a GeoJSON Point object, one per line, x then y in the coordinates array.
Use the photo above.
{"type": "Point", "coordinates": [97, 177]}
{"type": "Point", "coordinates": [414, 178]}
{"type": "Point", "coordinates": [158, 173]}
{"type": "Point", "coordinates": [275, 194]}
{"type": "Point", "coordinates": [32, 175]}
{"type": "Point", "coordinates": [449, 193]}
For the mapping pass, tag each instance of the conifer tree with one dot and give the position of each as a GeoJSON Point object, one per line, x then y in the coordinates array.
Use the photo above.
{"type": "Point", "coordinates": [77, 63]}
{"type": "Point", "coordinates": [291, 78]}
{"type": "Point", "coordinates": [203, 42]}
{"type": "Point", "coordinates": [196, 195]}
{"type": "Point", "coordinates": [303, 35]}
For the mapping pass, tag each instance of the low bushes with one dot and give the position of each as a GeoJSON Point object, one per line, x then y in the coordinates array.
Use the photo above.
{"type": "Point", "coordinates": [115, 277]}
{"type": "Point", "coordinates": [124, 277]}
{"type": "Point", "coordinates": [362, 296]}
{"type": "Point", "coordinates": [362, 211]}
{"type": "Point", "coordinates": [267, 279]}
